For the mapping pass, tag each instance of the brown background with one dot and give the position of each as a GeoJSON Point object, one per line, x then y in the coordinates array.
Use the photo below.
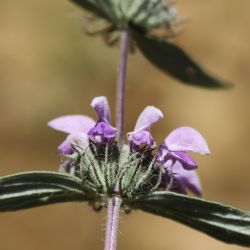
{"type": "Point", "coordinates": [49, 68]}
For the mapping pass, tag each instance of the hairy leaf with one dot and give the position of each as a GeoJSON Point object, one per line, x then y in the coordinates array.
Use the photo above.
{"type": "Point", "coordinates": [32, 189]}
{"type": "Point", "coordinates": [173, 60]}
{"type": "Point", "coordinates": [220, 221]}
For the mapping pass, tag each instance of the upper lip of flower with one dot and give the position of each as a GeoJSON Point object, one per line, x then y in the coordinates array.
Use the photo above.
{"type": "Point", "coordinates": [141, 133]}
{"type": "Point", "coordinates": [186, 139]}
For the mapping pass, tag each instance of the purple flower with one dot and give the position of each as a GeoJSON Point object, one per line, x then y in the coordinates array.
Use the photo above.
{"type": "Point", "coordinates": [102, 132]}
{"type": "Point", "coordinates": [182, 180]}
{"type": "Point", "coordinates": [141, 138]}
{"type": "Point", "coordinates": [77, 126]}
{"type": "Point", "coordinates": [172, 154]}
{"type": "Point", "coordinates": [186, 180]}
{"type": "Point", "coordinates": [81, 128]}
{"type": "Point", "coordinates": [179, 142]}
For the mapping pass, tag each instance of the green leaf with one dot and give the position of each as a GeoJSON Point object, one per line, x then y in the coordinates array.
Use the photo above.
{"type": "Point", "coordinates": [173, 60]}
{"type": "Point", "coordinates": [222, 222]}
{"type": "Point", "coordinates": [32, 189]}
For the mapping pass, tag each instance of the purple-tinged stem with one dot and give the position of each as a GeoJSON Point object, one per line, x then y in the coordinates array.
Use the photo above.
{"type": "Point", "coordinates": [121, 82]}
{"type": "Point", "coordinates": [114, 203]}
{"type": "Point", "coordinates": [112, 223]}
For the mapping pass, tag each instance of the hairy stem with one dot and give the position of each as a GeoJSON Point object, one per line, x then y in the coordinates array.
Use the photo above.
{"type": "Point", "coordinates": [114, 205]}
{"type": "Point", "coordinates": [121, 82]}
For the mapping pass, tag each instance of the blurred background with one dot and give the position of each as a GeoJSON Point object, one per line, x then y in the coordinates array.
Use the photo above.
{"type": "Point", "coordinates": [49, 68]}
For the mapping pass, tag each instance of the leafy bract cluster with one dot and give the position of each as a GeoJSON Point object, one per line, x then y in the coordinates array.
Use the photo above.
{"type": "Point", "coordinates": [111, 170]}
{"type": "Point", "coordinates": [141, 14]}
{"type": "Point", "coordinates": [151, 23]}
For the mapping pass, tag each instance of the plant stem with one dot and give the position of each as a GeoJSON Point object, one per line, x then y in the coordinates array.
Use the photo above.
{"type": "Point", "coordinates": [121, 82]}
{"type": "Point", "coordinates": [114, 203]}
{"type": "Point", "coordinates": [112, 223]}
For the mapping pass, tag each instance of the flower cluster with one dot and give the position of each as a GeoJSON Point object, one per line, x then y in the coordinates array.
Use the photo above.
{"type": "Point", "coordinates": [92, 152]}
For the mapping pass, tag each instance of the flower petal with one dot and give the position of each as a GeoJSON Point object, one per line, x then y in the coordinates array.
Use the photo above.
{"type": "Point", "coordinates": [79, 140]}
{"type": "Point", "coordinates": [102, 132]}
{"type": "Point", "coordinates": [186, 179]}
{"type": "Point", "coordinates": [72, 124]}
{"type": "Point", "coordinates": [65, 147]}
{"type": "Point", "coordinates": [141, 140]}
{"type": "Point", "coordinates": [163, 154]}
{"type": "Point", "coordinates": [101, 106]}
{"type": "Point", "coordinates": [186, 139]}
{"type": "Point", "coordinates": [187, 161]}
{"type": "Point", "coordinates": [141, 137]}
{"type": "Point", "coordinates": [148, 117]}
